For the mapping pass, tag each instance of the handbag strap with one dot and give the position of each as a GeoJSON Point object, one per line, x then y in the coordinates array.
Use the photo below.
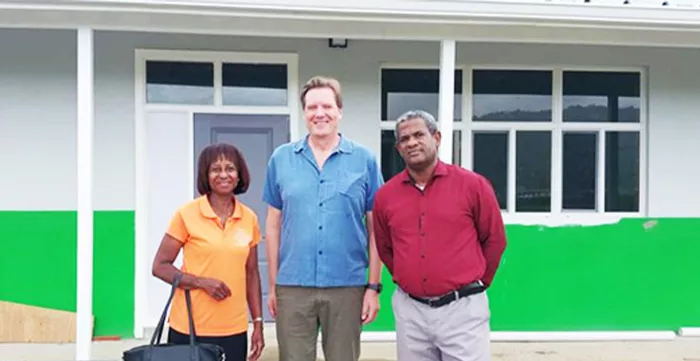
{"type": "Point", "coordinates": [158, 332]}
{"type": "Point", "coordinates": [193, 333]}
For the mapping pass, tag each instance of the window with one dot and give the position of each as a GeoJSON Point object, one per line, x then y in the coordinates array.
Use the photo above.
{"type": "Point", "coordinates": [255, 84]}
{"type": "Point", "coordinates": [576, 149]}
{"type": "Point", "coordinates": [172, 82]}
{"type": "Point", "coordinates": [491, 158]}
{"type": "Point", "coordinates": [552, 141]}
{"type": "Point", "coordinates": [410, 89]}
{"type": "Point", "coordinates": [216, 83]}
{"type": "Point", "coordinates": [512, 95]}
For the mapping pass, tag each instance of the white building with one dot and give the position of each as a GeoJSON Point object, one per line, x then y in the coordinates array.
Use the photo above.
{"type": "Point", "coordinates": [580, 113]}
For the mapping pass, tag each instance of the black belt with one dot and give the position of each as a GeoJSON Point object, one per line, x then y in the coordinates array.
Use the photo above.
{"type": "Point", "coordinates": [468, 290]}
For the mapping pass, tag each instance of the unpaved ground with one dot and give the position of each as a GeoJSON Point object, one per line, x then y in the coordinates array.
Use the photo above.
{"type": "Point", "coordinates": [681, 349]}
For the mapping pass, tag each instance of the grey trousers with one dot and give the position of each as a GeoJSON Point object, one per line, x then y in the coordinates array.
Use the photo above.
{"type": "Point", "coordinates": [301, 311]}
{"type": "Point", "coordinates": [459, 331]}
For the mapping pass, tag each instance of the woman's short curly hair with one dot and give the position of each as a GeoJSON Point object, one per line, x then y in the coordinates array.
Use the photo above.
{"type": "Point", "coordinates": [211, 154]}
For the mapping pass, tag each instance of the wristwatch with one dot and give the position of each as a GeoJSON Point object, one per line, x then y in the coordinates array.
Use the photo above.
{"type": "Point", "coordinates": [376, 287]}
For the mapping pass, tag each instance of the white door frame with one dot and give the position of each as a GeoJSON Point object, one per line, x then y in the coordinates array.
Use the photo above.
{"type": "Point", "coordinates": [141, 271]}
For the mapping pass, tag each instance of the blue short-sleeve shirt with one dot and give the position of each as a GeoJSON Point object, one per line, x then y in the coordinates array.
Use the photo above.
{"type": "Point", "coordinates": [323, 239]}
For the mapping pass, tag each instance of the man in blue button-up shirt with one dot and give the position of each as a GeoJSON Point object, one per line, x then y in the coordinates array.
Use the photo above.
{"type": "Point", "coordinates": [320, 243]}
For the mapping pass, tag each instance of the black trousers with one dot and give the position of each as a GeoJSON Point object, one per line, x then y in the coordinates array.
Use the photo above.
{"type": "Point", "coordinates": [235, 346]}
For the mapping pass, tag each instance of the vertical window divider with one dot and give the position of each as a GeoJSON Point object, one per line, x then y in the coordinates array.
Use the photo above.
{"type": "Point", "coordinates": [511, 170]}
{"type": "Point", "coordinates": [600, 176]}
{"type": "Point", "coordinates": [643, 143]}
{"type": "Point", "coordinates": [467, 115]}
{"type": "Point", "coordinates": [556, 185]}
{"type": "Point", "coordinates": [218, 83]}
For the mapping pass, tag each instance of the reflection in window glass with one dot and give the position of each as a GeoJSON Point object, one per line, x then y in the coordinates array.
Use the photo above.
{"type": "Point", "coordinates": [512, 95]}
{"type": "Point", "coordinates": [491, 161]}
{"type": "Point", "coordinates": [392, 163]}
{"type": "Point", "coordinates": [255, 84]}
{"type": "Point", "coordinates": [622, 171]}
{"type": "Point", "coordinates": [579, 171]}
{"type": "Point", "coordinates": [601, 97]}
{"type": "Point", "coordinates": [533, 171]}
{"type": "Point", "coordinates": [171, 82]}
{"type": "Point", "coordinates": [411, 89]}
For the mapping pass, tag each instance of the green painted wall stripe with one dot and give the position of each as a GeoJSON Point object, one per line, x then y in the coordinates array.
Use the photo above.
{"type": "Point", "coordinates": [113, 304]}
{"type": "Point", "coordinates": [38, 261]}
{"type": "Point", "coordinates": [634, 275]}
{"type": "Point", "coordinates": [38, 264]}
{"type": "Point", "coordinates": [639, 274]}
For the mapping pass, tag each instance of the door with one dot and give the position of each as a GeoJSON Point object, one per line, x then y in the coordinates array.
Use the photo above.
{"type": "Point", "coordinates": [256, 136]}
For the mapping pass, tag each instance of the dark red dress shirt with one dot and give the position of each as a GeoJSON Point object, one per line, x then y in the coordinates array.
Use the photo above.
{"type": "Point", "coordinates": [436, 240]}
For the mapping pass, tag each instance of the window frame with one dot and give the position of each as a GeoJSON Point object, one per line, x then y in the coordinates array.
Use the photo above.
{"type": "Point", "coordinates": [218, 59]}
{"type": "Point", "coordinates": [557, 127]}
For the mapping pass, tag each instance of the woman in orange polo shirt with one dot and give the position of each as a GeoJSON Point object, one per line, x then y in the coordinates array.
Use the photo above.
{"type": "Point", "coordinates": [219, 237]}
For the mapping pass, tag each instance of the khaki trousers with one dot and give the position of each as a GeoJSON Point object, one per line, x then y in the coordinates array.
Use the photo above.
{"type": "Point", "coordinates": [302, 311]}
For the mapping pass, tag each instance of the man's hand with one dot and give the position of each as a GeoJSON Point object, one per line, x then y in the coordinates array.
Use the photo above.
{"type": "Point", "coordinates": [370, 306]}
{"type": "Point", "coordinates": [272, 303]}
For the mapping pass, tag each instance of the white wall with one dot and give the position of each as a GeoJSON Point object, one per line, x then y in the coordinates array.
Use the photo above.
{"type": "Point", "coordinates": [37, 120]}
{"type": "Point", "coordinates": [45, 60]}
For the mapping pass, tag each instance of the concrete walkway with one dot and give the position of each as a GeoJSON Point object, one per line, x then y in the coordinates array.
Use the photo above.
{"type": "Point", "coordinates": [680, 349]}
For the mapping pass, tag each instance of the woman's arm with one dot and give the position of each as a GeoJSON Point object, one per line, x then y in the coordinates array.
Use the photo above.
{"type": "Point", "coordinates": [254, 296]}
{"type": "Point", "coordinates": [254, 288]}
{"type": "Point", "coordinates": [164, 269]}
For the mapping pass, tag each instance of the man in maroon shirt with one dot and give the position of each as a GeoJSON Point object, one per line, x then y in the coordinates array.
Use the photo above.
{"type": "Point", "coordinates": [440, 233]}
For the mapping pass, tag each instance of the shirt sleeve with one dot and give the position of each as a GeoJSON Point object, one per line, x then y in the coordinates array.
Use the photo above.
{"type": "Point", "coordinates": [376, 180]}
{"type": "Point", "coordinates": [382, 236]}
{"type": "Point", "coordinates": [271, 193]}
{"type": "Point", "coordinates": [177, 228]}
{"type": "Point", "coordinates": [490, 228]}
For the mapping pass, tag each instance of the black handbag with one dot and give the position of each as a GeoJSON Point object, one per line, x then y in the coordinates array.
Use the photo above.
{"type": "Point", "coordinates": [156, 351]}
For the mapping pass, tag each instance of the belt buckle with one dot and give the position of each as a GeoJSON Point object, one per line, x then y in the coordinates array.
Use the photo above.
{"type": "Point", "coordinates": [432, 302]}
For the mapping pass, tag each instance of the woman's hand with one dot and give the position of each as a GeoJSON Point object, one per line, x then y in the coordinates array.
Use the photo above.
{"type": "Point", "coordinates": [257, 342]}
{"type": "Point", "coordinates": [215, 288]}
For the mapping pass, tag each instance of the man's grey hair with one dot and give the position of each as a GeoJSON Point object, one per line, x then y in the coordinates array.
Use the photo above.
{"type": "Point", "coordinates": [428, 118]}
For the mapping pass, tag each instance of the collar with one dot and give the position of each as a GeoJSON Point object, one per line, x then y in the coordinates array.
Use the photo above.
{"type": "Point", "coordinates": [440, 171]}
{"type": "Point", "coordinates": [208, 212]}
{"type": "Point", "coordinates": [345, 145]}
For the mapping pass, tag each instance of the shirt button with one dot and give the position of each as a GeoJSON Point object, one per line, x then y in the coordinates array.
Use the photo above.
{"type": "Point", "coordinates": [320, 227]}
{"type": "Point", "coordinates": [320, 252]}
{"type": "Point", "coordinates": [424, 280]}
{"type": "Point", "coordinates": [320, 204]}
{"type": "Point", "coordinates": [321, 181]}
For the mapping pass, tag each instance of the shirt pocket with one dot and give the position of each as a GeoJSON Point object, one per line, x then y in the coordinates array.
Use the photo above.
{"type": "Point", "coordinates": [349, 192]}
{"type": "Point", "coordinates": [351, 184]}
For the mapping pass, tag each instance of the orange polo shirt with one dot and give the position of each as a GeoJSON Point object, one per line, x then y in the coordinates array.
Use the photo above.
{"type": "Point", "coordinates": [213, 251]}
